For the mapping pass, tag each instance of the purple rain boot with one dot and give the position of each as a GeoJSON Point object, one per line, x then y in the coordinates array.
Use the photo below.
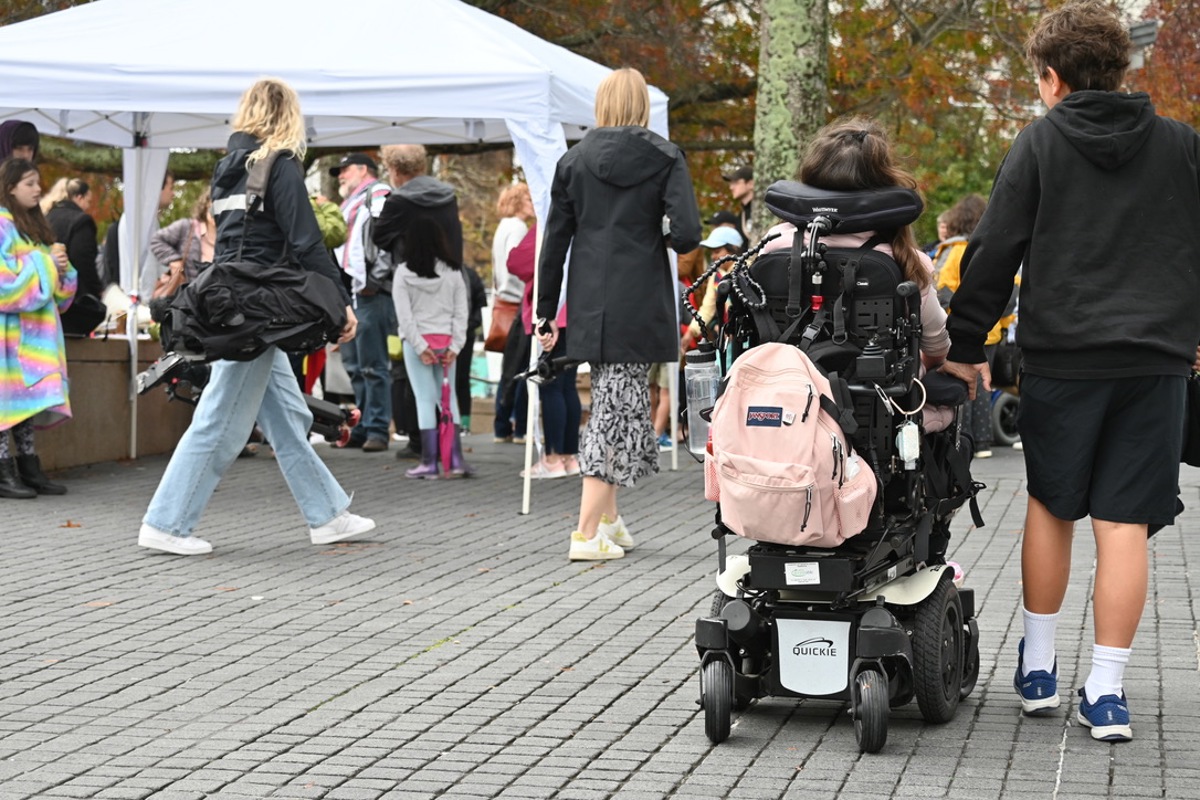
{"type": "Point", "coordinates": [428, 468]}
{"type": "Point", "coordinates": [459, 468]}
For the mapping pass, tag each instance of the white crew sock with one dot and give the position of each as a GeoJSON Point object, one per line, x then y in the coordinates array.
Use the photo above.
{"type": "Point", "coordinates": [1039, 641]}
{"type": "Point", "coordinates": [1108, 671]}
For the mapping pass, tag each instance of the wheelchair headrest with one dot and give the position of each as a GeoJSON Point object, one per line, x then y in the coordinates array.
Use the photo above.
{"type": "Point", "coordinates": [848, 211]}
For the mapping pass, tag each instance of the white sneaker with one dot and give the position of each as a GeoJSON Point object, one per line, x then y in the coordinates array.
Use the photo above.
{"type": "Point", "coordinates": [983, 453]}
{"type": "Point", "coordinates": [617, 532]}
{"type": "Point", "coordinates": [342, 527]}
{"type": "Point", "coordinates": [1017, 445]}
{"type": "Point", "coordinates": [598, 548]}
{"type": "Point", "coordinates": [155, 539]}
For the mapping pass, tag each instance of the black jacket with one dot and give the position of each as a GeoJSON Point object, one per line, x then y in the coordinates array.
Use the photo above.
{"type": "Point", "coordinates": [77, 230]}
{"type": "Point", "coordinates": [1100, 200]}
{"type": "Point", "coordinates": [284, 229]}
{"type": "Point", "coordinates": [420, 196]}
{"type": "Point", "coordinates": [607, 203]}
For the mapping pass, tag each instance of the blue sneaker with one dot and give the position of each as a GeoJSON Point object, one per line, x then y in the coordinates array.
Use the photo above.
{"type": "Point", "coordinates": [665, 443]}
{"type": "Point", "coordinates": [1108, 717]}
{"type": "Point", "coordinates": [1038, 689]}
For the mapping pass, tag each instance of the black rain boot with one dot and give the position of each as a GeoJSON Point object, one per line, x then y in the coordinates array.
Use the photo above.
{"type": "Point", "coordinates": [11, 485]}
{"type": "Point", "coordinates": [30, 468]}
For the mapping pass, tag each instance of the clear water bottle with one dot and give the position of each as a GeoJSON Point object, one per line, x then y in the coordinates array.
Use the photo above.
{"type": "Point", "coordinates": [702, 376]}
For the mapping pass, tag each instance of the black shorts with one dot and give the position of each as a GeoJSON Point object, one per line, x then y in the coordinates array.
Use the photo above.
{"type": "Point", "coordinates": [1107, 448]}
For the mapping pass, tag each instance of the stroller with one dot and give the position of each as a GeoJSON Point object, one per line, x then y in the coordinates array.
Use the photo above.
{"type": "Point", "coordinates": [879, 618]}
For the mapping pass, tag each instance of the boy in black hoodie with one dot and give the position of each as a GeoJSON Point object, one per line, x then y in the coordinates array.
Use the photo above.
{"type": "Point", "coordinates": [1100, 200]}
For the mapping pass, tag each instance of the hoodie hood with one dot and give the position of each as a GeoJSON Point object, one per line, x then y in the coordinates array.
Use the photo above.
{"type": "Point", "coordinates": [625, 156]}
{"type": "Point", "coordinates": [237, 150]}
{"type": "Point", "coordinates": [1107, 128]}
{"type": "Point", "coordinates": [426, 191]}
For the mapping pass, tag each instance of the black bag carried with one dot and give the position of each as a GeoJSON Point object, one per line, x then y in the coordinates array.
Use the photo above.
{"type": "Point", "coordinates": [379, 264]}
{"type": "Point", "coordinates": [1006, 366]}
{"type": "Point", "coordinates": [235, 310]}
{"type": "Point", "coordinates": [86, 313]}
{"type": "Point", "coordinates": [1191, 430]}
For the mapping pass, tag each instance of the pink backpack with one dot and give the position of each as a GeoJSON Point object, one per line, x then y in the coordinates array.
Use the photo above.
{"type": "Point", "coordinates": [780, 465]}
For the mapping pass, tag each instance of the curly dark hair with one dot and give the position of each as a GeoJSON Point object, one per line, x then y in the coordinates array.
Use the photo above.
{"type": "Point", "coordinates": [964, 215]}
{"type": "Point", "coordinates": [1084, 42]}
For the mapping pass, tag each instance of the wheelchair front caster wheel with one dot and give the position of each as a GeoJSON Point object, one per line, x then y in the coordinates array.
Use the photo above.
{"type": "Point", "coordinates": [869, 705]}
{"type": "Point", "coordinates": [716, 695]}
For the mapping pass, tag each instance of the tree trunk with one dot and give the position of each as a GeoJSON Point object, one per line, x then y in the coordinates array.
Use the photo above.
{"type": "Point", "coordinates": [793, 71]}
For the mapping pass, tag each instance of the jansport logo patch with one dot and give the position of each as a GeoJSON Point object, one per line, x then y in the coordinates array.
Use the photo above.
{"type": "Point", "coordinates": [764, 416]}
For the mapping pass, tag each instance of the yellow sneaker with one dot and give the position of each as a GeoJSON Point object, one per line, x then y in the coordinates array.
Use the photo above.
{"type": "Point", "coordinates": [617, 532]}
{"type": "Point", "coordinates": [598, 548]}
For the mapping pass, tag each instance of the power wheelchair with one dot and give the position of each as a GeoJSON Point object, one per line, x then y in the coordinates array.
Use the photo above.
{"type": "Point", "coordinates": [881, 618]}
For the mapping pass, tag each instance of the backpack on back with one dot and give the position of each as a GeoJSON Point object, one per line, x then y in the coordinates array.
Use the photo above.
{"type": "Point", "coordinates": [380, 267]}
{"type": "Point", "coordinates": [781, 465]}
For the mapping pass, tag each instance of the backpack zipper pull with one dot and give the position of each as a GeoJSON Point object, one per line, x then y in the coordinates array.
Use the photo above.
{"type": "Point", "coordinates": [808, 490]}
{"type": "Point", "coordinates": [808, 405]}
{"type": "Point", "coordinates": [836, 456]}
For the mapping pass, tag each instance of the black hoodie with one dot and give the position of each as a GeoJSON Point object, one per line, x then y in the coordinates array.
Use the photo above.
{"type": "Point", "coordinates": [1100, 200]}
{"type": "Point", "coordinates": [607, 203]}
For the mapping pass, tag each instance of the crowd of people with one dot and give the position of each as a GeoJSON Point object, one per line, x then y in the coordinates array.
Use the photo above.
{"type": "Point", "coordinates": [1100, 405]}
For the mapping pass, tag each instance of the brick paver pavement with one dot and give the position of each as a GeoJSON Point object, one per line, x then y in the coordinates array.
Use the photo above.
{"type": "Point", "coordinates": [459, 654]}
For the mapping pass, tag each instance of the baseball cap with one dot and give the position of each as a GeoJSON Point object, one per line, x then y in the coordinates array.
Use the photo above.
{"type": "Point", "coordinates": [723, 218]}
{"type": "Point", "coordinates": [740, 174]}
{"type": "Point", "coordinates": [723, 237]}
{"type": "Point", "coordinates": [354, 158]}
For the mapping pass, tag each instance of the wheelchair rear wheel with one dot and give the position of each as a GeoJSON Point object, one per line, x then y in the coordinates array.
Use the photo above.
{"type": "Point", "coordinates": [716, 695]}
{"type": "Point", "coordinates": [869, 706]}
{"type": "Point", "coordinates": [937, 644]}
{"type": "Point", "coordinates": [1004, 419]}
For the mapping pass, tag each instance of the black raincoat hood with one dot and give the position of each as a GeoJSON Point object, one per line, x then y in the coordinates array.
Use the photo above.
{"type": "Point", "coordinates": [626, 156]}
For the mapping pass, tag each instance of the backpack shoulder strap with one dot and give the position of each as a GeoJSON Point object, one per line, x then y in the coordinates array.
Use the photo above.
{"type": "Point", "coordinates": [258, 177]}
{"type": "Point", "coordinates": [841, 405]}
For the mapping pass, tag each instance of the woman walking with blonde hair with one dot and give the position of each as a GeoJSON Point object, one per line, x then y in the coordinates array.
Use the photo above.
{"type": "Point", "coordinates": [268, 121]}
{"type": "Point", "coordinates": [607, 203]}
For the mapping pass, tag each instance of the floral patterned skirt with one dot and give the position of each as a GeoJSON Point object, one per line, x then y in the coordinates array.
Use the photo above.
{"type": "Point", "coordinates": [619, 445]}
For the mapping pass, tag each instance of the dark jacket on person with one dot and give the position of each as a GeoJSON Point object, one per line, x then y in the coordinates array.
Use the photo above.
{"type": "Point", "coordinates": [421, 196]}
{"type": "Point", "coordinates": [1100, 200]}
{"type": "Point", "coordinates": [607, 203]}
{"type": "Point", "coordinates": [284, 229]}
{"type": "Point", "coordinates": [75, 228]}
{"type": "Point", "coordinates": [476, 300]}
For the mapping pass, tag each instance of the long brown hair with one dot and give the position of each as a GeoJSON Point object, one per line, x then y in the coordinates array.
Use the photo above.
{"type": "Point", "coordinates": [30, 222]}
{"type": "Point", "coordinates": [854, 153]}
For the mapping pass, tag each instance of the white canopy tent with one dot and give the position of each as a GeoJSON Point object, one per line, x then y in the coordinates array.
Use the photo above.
{"type": "Point", "coordinates": [147, 75]}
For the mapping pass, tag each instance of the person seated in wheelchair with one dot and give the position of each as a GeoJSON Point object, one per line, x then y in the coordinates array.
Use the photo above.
{"type": "Point", "coordinates": [851, 168]}
{"type": "Point", "coordinates": [854, 154]}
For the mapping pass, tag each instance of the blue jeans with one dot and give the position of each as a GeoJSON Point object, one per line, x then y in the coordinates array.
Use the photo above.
{"type": "Point", "coordinates": [561, 409]}
{"type": "Point", "coordinates": [510, 419]}
{"type": "Point", "coordinates": [237, 393]}
{"type": "Point", "coordinates": [366, 361]}
{"type": "Point", "coordinates": [426, 381]}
